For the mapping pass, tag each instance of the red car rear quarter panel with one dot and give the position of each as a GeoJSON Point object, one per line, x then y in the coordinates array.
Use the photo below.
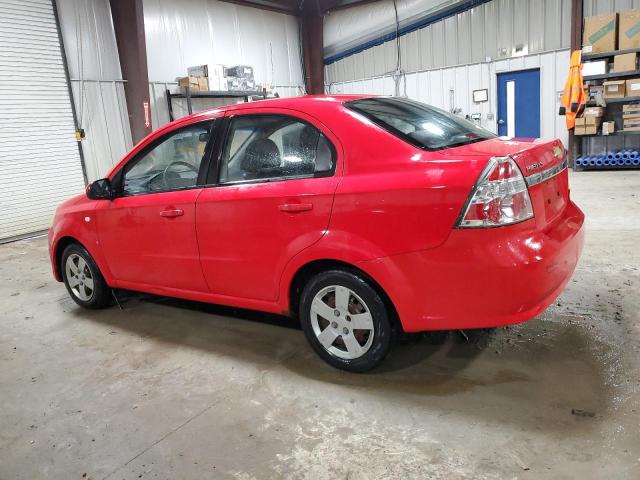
{"type": "Point", "coordinates": [394, 197]}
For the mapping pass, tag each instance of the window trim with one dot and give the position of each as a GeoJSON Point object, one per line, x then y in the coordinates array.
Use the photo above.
{"type": "Point", "coordinates": [213, 177]}
{"type": "Point", "coordinates": [118, 178]}
{"type": "Point", "coordinates": [352, 105]}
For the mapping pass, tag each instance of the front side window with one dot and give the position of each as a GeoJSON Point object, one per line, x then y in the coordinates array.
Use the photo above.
{"type": "Point", "coordinates": [421, 125]}
{"type": "Point", "coordinates": [172, 164]}
{"type": "Point", "coordinates": [263, 147]}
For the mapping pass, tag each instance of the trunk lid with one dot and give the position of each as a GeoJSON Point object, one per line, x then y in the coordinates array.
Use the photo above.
{"type": "Point", "coordinates": [543, 164]}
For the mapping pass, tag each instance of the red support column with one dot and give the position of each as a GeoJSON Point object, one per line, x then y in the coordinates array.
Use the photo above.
{"type": "Point", "coordinates": [128, 23]}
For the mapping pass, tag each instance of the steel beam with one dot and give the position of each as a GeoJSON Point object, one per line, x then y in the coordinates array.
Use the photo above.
{"type": "Point", "coordinates": [311, 29]}
{"type": "Point", "coordinates": [128, 24]}
{"type": "Point", "coordinates": [577, 18]}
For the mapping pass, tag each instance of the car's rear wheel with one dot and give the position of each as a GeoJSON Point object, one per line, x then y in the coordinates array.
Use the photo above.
{"type": "Point", "coordinates": [345, 321]}
{"type": "Point", "coordinates": [83, 279]}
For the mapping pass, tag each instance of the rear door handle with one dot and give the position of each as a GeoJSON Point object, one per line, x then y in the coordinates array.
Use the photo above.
{"type": "Point", "coordinates": [295, 207]}
{"type": "Point", "coordinates": [172, 213]}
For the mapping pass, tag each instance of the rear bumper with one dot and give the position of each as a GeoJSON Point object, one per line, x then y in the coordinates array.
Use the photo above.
{"type": "Point", "coordinates": [485, 277]}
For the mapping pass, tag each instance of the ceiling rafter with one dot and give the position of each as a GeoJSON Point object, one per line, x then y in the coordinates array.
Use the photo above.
{"type": "Point", "coordinates": [297, 7]}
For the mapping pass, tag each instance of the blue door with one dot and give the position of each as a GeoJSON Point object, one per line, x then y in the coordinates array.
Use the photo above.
{"type": "Point", "coordinates": [519, 103]}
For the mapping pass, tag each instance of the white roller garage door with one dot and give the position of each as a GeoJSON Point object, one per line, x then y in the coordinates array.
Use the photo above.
{"type": "Point", "coordinates": [39, 159]}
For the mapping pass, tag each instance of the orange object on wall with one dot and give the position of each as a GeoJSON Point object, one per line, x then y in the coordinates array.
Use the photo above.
{"type": "Point", "coordinates": [573, 99]}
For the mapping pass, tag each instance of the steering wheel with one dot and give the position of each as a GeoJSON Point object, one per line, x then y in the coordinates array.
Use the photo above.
{"type": "Point", "coordinates": [178, 163]}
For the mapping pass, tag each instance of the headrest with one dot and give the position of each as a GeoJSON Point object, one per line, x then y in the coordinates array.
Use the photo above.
{"type": "Point", "coordinates": [260, 155]}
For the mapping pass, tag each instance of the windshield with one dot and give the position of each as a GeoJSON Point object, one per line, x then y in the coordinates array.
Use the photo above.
{"type": "Point", "coordinates": [421, 125]}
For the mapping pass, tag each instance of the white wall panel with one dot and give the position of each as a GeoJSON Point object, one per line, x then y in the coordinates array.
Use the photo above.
{"type": "Point", "coordinates": [493, 29]}
{"type": "Point", "coordinates": [98, 88]}
{"type": "Point", "coordinates": [434, 87]}
{"type": "Point", "coordinates": [194, 32]}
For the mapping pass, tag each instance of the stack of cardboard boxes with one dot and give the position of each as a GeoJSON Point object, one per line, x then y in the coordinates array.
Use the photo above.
{"type": "Point", "coordinates": [631, 117]}
{"type": "Point", "coordinates": [204, 78]}
{"type": "Point", "coordinates": [216, 77]}
{"type": "Point", "coordinates": [613, 31]}
{"type": "Point", "coordinates": [195, 84]}
{"type": "Point", "coordinates": [590, 121]}
{"type": "Point", "coordinates": [607, 33]}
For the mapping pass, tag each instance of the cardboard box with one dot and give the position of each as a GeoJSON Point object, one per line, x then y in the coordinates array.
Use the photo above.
{"type": "Point", "coordinates": [625, 63]}
{"type": "Point", "coordinates": [239, 71]}
{"type": "Point", "coordinates": [608, 128]}
{"type": "Point", "coordinates": [629, 31]}
{"type": "Point", "coordinates": [591, 120]}
{"type": "Point", "coordinates": [579, 130]}
{"type": "Point", "coordinates": [600, 33]}
{"type": "Point", "coordinates": [195, 84]}
{"type": "Point", "coordinates": [594, 68]}
{"type": "Point", "coordinates": [216, 77]}
{"type": "Point", "coordinates": [591, 129]}
{"type": "Point", "coordinates": [614, 89]}
{"type": "Point", "coordinates": [631, 109]}
{"type": "Point", "coordinates": [631, 123]}
{"type": "Point", "coordinates": [214, 73]}
{"type": "Point", "coordinates": [633, 87]}
{"type": "Point", "coordinates": [595, 90]}
{"type": "Point", "coordinates": [593, 112]}
{"type": "Point", "coordinates": [580, 122]}
{"type": "Point", "coordinates": [198, 71]}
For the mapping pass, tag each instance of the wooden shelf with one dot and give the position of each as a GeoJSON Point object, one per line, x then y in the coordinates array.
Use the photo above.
{"type": "Point", "coordinates": [595, 56]}
{"type": "Point", "coordinates": [605, 76]}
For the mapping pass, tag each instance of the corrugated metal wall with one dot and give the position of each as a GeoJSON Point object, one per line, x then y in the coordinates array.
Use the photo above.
{"type": "Point", "coordinates": [97, 84]}
{"type": "Point", "coordinates": [350, 28]}
{"type": "Point", "coordinates": [600, 7]}
{"type": "Point", "coordinates": [493, 30]}
{"type": "Point", "coordinates": [450, 88]}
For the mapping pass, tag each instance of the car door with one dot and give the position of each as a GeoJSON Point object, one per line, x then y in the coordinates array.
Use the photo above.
{"type": "Point", "coordinates": [274, 184]}
{"type": "Point", "coordinates": [147, 231]}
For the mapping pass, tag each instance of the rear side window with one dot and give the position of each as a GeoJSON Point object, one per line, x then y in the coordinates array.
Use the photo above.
{"type": "Point", "coordinates": [421, 125]}
{"type": "Point", "coordinates": [266, 147]}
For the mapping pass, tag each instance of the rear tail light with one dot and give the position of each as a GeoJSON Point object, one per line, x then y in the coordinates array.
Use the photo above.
{"type": "Point", "coordinates": [499, 198]}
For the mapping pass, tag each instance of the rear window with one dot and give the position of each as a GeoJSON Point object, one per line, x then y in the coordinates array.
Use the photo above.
{"type": "Point", "coordinates": [421, 125]}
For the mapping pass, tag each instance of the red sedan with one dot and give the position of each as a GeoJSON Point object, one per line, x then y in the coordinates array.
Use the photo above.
{"type": "Point", "coordinates": [358, 215]}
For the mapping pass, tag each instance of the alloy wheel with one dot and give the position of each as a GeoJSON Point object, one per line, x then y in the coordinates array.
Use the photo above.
{"type": "Point", "coordinates": [79, 277]}
{"type": "Point", "coordinates": [342, 322]}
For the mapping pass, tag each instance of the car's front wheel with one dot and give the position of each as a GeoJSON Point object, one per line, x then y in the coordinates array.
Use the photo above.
{"type": "Point", "coordinates": [83, 279]}
{"type": "Point", "coordinates": [345, 320]}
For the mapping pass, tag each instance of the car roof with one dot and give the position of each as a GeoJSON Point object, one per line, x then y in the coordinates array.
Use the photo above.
{"type": "Point", "coordinates": [305, 103]}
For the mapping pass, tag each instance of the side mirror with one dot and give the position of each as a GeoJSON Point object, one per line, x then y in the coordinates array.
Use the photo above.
{"type": "Point", "coordinates": [100, 190]}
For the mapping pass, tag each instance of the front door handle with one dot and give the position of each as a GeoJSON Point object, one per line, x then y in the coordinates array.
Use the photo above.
{"type": "Point", "coordinates": [295, 207]}
{"type": "Point", "coordinates": [172, 213]}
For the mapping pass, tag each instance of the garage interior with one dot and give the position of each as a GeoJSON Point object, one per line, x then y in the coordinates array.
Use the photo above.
{"type": "Point", "coordinates": [164, 388]}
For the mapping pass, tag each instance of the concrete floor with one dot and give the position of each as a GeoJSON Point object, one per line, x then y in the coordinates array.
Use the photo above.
{"type": "Point", "coordinates": [168, 389]}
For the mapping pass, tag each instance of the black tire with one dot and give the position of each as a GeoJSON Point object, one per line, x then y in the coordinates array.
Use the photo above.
{"type": "Point", "coordinates": [101, 295]}
{"type": "Point", "coordinates": [361, 291]}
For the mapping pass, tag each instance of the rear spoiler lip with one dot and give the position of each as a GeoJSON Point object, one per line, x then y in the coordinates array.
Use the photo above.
{"type": "Point", "coordinates": [539, 177]}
